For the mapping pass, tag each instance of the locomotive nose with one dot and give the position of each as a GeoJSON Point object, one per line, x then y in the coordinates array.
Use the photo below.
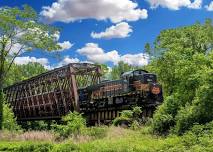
{"type": "Point", "coordinates": [156, 93]}
{"type": "Point", "coordinates": [155, 88]}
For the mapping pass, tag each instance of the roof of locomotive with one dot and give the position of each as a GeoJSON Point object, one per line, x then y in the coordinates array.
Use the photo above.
{"type": "Point", "coordinates": [131, 72]}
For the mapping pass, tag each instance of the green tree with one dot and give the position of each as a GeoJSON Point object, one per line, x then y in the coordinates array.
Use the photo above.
{"type": "Point", "coordinates": [104, 70]}
{"type": "Point", "coordinates": [21, 29]}
{"type": "Point", "coordinates": [23, 72]}
{"type": "Point", "coordinates": [119, 69]}
{"type": "Point", "coordinates": [200, 110]}
{"type": "Point", "coordinates": [186, 54]}
{"type": "Point", "coordinates": [73, 123]}
{"type": "Point", "coordinates": [9, 120]}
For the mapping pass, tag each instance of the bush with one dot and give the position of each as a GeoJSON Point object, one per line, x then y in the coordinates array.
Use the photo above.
{"type": "Point", "coordinates": [131, 118]}
{"type": "Point", "coordinates": [200, 111]}
{"type": "Point", "coordinates": [9, 120]}
{"type": "Point", "coordinates": [184, 119]}
{"type": "Point", "coordinates": [136, 112]}
{"type": "Point", "coordinates": [163, 118]}
{"type": "Point", "coordinates": [198, 138]}
{"type": "Point", "coordinates": [38, 125]}
{"type": "Point", "coordinates": [135, 125]}
{"type": "Point", "coordinates": [172, 114]}
{"type": "Point", "coordinates": [125, 117]}
{"type": "Point", "coordinates": [73, 123]}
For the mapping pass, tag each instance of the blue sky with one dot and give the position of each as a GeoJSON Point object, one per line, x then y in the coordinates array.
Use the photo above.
{"type": "Point", "coordinates": [130, 25]}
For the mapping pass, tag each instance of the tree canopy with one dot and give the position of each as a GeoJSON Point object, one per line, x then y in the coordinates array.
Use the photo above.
{"type": "Point", "coordinates": [185, 70]}
{"type": "Point", "coordinates": [18, 73]}
{"type": "Point", "coordinates": [20, 31]}
{"type": "Point", "coordinates": [122, 67]}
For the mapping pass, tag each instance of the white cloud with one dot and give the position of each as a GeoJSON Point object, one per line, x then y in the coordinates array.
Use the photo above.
{"type": "Point", "coordinates": [120, 30]}
{"type": "Point", "coordinates": [27, 59]}
{"type": "Point", "coordinates": [65, 45]}
{"type": "Point", "coordinates": [175, 4]}
{"type": "Point", "coordinates": [97, 55]}
{"type": "Point", "coordinates": [197, 4]}
{"type": "Point", "coordinates": [68, 60]}
{"type": "Point", "coordinates": [114, 10]}
{"type": "Point", "coordinates": [210, 6]}
{"type": "Point", "coordinates": [16, 47]}
{"type": "Point", "coordinates": [135, 59]}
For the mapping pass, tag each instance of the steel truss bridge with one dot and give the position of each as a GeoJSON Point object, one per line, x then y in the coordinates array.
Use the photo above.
{"type": "Point", "coordinates": [53, 94]}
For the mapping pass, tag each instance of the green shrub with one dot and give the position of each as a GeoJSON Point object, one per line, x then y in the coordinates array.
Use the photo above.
{"type": "Point", "coordinates": [73, 123]}
{"type": "Point", "coordinates": [163, 118]}
{"type": "Point", "coordinates": [136, 111]}
{"type": "Point", "coordinates": [9, 120]}
{"type": "Point", "coordinates": [131, 118]}
{"type": "Point", "coordinates": [135, 125]}
{"type": "Point", "coordinates": [200, 111]}
{"type": "Point", "coordinates": [126, 116]}
{"type": "Point", "coordinates": [38, 125]}
{"type": "Point", "coordinates": [184, 119]}
{"type": "Point", "coordinates": [170, 114]}
{"type": "Point", "coordinates": [201, 130]}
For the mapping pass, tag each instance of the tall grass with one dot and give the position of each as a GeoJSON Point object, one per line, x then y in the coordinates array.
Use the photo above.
{"type": "Point", "coordinates": [114, 139]}
{"type": "Point", "coordinates": [28, 136]}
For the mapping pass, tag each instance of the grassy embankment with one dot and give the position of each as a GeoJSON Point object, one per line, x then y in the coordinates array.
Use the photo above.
{"type": "Point", "coordinates": [108, 139]}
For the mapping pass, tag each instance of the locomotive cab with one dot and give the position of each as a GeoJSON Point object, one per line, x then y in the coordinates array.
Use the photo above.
{"type": "Point", "coordinates": [140, 76]}
{"type": "Point", "coordinates": [143, 81]}
{"type": "Point", "coordinates": [144, 77]}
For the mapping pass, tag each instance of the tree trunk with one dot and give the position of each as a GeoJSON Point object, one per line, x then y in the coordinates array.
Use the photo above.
{"type": "Point", "coordinates": [1, 101]}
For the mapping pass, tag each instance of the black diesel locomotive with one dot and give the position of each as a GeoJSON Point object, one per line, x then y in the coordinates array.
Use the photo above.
{"type": "Point", "coordinates": [104, 101]}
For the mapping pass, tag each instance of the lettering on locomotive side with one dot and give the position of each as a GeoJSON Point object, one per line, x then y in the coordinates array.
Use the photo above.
{"type": "Point", "coordinates": [107, 88]}
{"type": "Point", "coordinates": [112, 87]}
{"type": "Point", "coordinates": [140, 86]}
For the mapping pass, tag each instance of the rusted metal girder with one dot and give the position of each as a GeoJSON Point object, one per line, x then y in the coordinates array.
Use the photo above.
{"type": "Point", "coordinates": [51, 94]}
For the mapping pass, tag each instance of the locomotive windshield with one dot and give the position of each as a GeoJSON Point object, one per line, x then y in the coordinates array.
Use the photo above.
{"type": "Point", "coordinates": [149, 77]}
{"type": "Point", "coordinates": [144, 76]}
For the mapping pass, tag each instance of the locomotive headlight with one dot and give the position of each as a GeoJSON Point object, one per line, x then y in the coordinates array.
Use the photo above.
{"type": "Point", "coordinates": [155, 90]}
